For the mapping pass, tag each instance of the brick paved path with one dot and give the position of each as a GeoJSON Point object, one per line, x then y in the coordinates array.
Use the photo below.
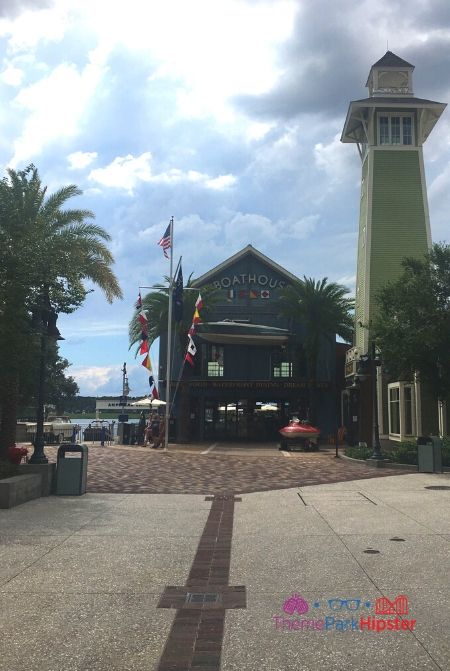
{"type": "Point", "coordinates": [138, 471]}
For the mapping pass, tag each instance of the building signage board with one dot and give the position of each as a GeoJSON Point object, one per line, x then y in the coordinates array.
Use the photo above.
{"type": "Point", "coordinates": [256, 384]}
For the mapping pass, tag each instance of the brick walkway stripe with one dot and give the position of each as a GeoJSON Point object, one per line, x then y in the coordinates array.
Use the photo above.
{"type": "Point", "coordinates": [196, 637]}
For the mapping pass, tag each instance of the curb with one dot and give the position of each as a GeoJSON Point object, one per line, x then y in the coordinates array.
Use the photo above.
{"type": "Point", "coordinates": [381, 464]}
{"type": "Point", "coordinates": [390, 464]}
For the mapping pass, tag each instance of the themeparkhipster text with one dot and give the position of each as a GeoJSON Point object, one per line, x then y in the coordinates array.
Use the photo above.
{"type": "Point", "coordinates": [397, 608]}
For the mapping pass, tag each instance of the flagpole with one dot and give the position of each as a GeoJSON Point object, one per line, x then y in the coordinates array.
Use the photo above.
{"type": "Point", "coordinates": [169, 340]}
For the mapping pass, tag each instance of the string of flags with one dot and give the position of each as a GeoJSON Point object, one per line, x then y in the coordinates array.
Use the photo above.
{"type": "Point", "coordinates": [144, 346]}
{"type": "Point", "coordinates": [191, 348]}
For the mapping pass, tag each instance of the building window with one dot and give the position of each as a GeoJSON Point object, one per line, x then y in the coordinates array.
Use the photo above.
{"type": "Point", "coordinates": [394, 129]}
{"type": "Point", "coordinates": [408, 403]}
{"type": "Point", "coordinates": [402, 410]}
{"type": "Point", "coordinates": [282, 369]}
{"type": "Point", "coordinates": [215, 361]}
{"type": "Point", "coordinates": [394, 410]}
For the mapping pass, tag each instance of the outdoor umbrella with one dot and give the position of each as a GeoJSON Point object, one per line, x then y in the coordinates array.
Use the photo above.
{"type": "Point", "coordinates": [149, 403]}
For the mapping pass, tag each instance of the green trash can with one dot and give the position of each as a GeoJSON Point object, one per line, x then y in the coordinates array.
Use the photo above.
{"type": "Point", "coordinates": [429, 453]}
{"type": "Point", "coordinates": [71, 471]}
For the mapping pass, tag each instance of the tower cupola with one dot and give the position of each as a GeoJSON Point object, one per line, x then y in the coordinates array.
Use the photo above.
{"type": "Point", "coordinates": [390, 76]}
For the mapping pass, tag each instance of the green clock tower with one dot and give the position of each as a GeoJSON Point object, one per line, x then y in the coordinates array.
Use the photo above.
{"type": "Point", "coordinates": [389, 129]}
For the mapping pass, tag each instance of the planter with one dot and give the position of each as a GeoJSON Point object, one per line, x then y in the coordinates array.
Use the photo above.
{"type": "Point", "coordinates": [16, 454]}
{"type": "Point", "coordinates": [19, 489]}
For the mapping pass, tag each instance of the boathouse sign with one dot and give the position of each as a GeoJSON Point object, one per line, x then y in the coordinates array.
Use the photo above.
{"type": "Point", "coordinates": [243, 279]}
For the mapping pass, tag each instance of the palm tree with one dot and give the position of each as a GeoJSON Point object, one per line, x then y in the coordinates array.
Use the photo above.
{"type": "Point", "coordinates": [325, 311]}
{"type": "Point", "coordinates": [48, 252]}
{"type": "Point", "coordinates": [156, 306]}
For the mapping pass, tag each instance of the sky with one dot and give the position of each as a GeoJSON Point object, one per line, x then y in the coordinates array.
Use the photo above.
{"type": "Point", "coordinates": [226, 115]}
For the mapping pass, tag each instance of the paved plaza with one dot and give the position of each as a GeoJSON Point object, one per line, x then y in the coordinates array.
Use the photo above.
{"type": "Point", "coordinates": [205, 469]}
{"type": "Point", "coordinates": [225, 577]}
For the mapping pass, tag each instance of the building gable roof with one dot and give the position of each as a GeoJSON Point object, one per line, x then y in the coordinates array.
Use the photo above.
{"type": "Point", "coordinates": [391, 60]}
{"type": "Point", "coordinates": [249, 250]}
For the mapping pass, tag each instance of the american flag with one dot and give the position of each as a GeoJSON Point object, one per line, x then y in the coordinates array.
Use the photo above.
{"type": "Point", "coordinates": [166, 242]}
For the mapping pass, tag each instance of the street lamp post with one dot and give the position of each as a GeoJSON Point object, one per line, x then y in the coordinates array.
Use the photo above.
{"type": "Point", "coordinates": [375, 362]}
{"type": "Point", "coordinates": [368, 364]}
{"type": "Point", "coordinates": [47, 325]}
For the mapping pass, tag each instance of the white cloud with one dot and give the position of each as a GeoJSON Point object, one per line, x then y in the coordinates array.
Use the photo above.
{"type": "Point", "coordinates": [81, 159]}
{"type": "Point", "coordinates": [12, 76]}
{"type": "Point", "coordinates": [221, 182]}
{"type": "Point", "coordinates": [55, 105]}
{"type": "Point", "coordinates": [91, 328]}
{"type": "Point", "coordinates": [261, 231]}
{"type": "Point", "coordinates": [91, 378]}
{"type": "Point", "coordinates": [333, 159]}
{"type": "Point", "coordinates": [31, 27]}
{"type": "Point", "coordinates": [125, 172]}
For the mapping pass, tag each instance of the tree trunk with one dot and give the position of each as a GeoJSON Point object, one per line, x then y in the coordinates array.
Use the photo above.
{"type": "Point", "coordinates": [9, 405]}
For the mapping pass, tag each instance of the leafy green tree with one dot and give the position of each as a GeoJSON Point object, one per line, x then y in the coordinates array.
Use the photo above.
{"type": "Point", "coordinates": [45, 250]}
{"type": "Point", "coordinates": [60, 388]}
{"type": "Point", "coordinates": [412, 327]}
{"type": "Point", "coordinates": [325, 310]}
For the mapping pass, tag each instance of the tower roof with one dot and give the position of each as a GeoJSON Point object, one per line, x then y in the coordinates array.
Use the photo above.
{"type": "Point", "coordinates": [391, 60]}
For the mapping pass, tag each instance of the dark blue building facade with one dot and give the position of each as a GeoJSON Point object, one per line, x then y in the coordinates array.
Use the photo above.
{"type": "Point", "coordinates": [249, 375]}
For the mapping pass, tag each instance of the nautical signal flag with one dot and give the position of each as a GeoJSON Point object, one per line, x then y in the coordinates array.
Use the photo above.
{"type": "Point", "coordinates": [142, 317]}
{"type": "Point", "coordinates": [191, 351]}
{"type": "Point", "coordinates": [191, 348]}
{"type": "Point", "coordinates": [138, 304]}
{"type": "Point", "coordinates": [178, 297]}
{"type": "Point", "coordinates": [265, 293]}
{"type": "Point", "coordinates": [153, 387]}
{"type": "Point", "coordinates": [147, 363]}
{"type": "Point", "coordinates": [253, 294]}
{"type": "Point", "coordinates": [144, 346]}
{"type": "Point", "coordinates": [166, 241]}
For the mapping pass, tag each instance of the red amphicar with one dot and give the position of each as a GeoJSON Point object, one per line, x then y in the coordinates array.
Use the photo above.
{"type": "Point", "coordinates": [301, 431]}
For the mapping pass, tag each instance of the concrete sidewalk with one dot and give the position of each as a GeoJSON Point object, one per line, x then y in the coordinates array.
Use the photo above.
{"type": "Point", "coordinates": [81, 578]}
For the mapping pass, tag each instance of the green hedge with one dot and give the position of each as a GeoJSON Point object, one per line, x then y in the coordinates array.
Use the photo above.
{"type": "Point", "coordinates": [360, 452]}
{"type": "Point", "coordinates": [400, 453]}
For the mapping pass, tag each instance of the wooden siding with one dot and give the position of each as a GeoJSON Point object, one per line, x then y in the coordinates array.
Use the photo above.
{"type": "Point", "coordinates": [360, 308]}
{"type": "Point", "coordinates": [399, 226]}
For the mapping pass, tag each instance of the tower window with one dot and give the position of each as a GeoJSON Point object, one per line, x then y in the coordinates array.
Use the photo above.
{"type": "Point", "coordinates": [395, 129]}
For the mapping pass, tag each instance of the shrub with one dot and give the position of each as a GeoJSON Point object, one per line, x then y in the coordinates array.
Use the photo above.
{"type": "Point", "coordinates": [358, 452]}
{"type": "Point", "coordinates": [403, 453]}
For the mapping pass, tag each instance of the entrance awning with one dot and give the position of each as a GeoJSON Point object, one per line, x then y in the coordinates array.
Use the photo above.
{"type": "Point", "coordinates": [236, 333]}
